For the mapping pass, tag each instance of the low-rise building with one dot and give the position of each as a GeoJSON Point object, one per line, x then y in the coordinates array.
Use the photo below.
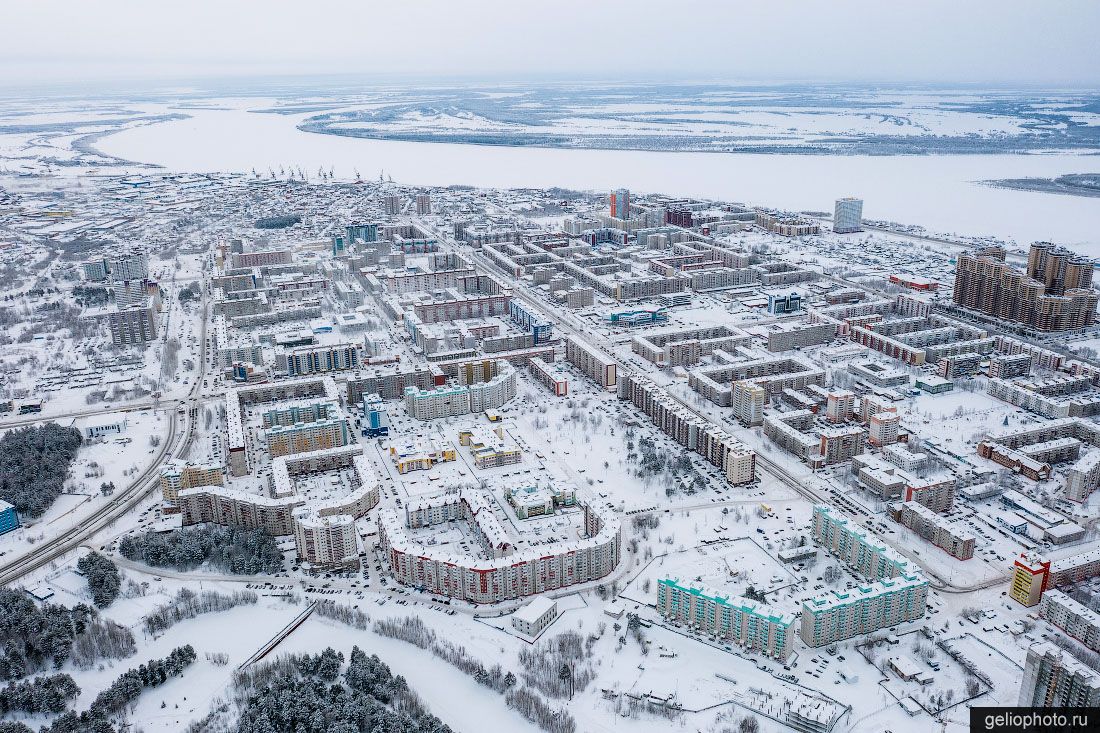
{"type": "Point", "coordinates": [533, 618]}
{"type": "Point", "coordinates": [9, 518]}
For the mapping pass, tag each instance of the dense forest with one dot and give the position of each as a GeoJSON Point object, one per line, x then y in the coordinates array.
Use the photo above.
{"type": "Point", "coordinates": [103, 579]}
{"type": "Point", "coordinates": [33, 638]}
{"type": "Point", "coordinates": [307, 694]}
{"type": "Point", "coordinates": [229, 549]}
{"type": "Point", "coordinates": [34, 462]}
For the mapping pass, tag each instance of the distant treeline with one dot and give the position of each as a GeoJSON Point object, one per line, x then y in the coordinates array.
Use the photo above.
{"type": "Point", "coordinates": [278, 222]}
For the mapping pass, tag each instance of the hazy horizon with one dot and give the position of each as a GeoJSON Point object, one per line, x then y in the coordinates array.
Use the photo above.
{"type": "Point", "coordinates": [1013, 44]}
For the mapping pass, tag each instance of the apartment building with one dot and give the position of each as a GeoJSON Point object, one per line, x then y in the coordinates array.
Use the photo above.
{"type": "Point", "coordinates": [597, 365]}
{"type": "Point", "coordinates": [391, 384]}
{"type": "Point", "coordinates": [1010, 366]}
{"type": "Point", "coordinates": [721, 449]}
{"type": "Point", "coordinates": [239, 260]}
{"type": "Point", "coordinates": [1032, 575]}
{"type": "Point", "coordinates": [432, 404]}
{"type": "Point", "coordinates": [132, 326]}
{"type": "Point", "coordinates": [749, 399]}
{"type": "Point", "coordinates": [303, 437]}
{"type": "Point", "coordinates": [325, 541]}
{"type": "Point", "coordinates": [840, 405]}
{"type": "Point", "coordinates": [932, 527]}
{"type": "Point", "coordinates": [1053, 677]}
{"type": "Point", "coordinates": [318, 359]}
{"type": "Point", "coordinates": [855, 547]}
{"type": "Point", "coordinates": [238, 509]}
{"type": "Point", "coordinates": [423, 204]}
{"type": "Point", "coordinates": [898, 591]}
{"type": "Point", "coordinates": [1055, 397]}
{"type": "Point", "coordinates": [457, 399]}
{"type": "Point", "coordinates": [883, 428]}
{"type": "Point", "coordinates": [1082, 623]}
{"type": "Point", "coordinates": [863, 609]}
{"type": "Point", "coordinates": [799, 335]}
{"type": "Point", "coordinates": [177, 475]}
{"type": "Point", "coordinates": [749, 624]}
{"type": "Point", "coordinates": [550, 376]}
{"type": "Point", "coordinates": [773, 373]}
{"type": "Point", "coordinates": [509, 573]}
{"type": "Point", "coordinates": [959, 365]}
{"type": "Point", "coordinates": [840, 444]}
{"type": "Point", "coordinates": [686, 346]}
{"type": "Point", "coordinates": [1054, 294]}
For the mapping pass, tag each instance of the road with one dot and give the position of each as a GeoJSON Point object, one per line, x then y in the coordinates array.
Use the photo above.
{"type": "Point", "coordinates": [175, 445]}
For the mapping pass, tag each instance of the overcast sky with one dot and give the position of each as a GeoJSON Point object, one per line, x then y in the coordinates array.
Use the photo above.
{"type": "Point", "coordinates": [1049, 42]}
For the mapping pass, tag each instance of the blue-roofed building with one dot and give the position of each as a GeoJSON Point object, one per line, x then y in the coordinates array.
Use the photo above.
{"type": "Point", "coordinates": [9, 518]}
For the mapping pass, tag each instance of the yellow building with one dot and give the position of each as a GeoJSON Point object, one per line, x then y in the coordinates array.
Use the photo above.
{"type": "Point", "coordinates": [489, 448]}
{"type": "Point", "coordinates": [1030, 575]}
{"type": "Point", "coordinates": [421, 454]}
{"type": "Point", "coordinates": [178, 475]}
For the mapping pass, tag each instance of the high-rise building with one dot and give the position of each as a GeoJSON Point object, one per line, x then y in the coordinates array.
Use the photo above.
{"type": "Point", "coordinates": [848, 216]}
{"type": "Point", "coordinates": [1058, 269]}
{"type": "Point", "coordinates": [1054, 678]}
{"type": "Point", "coordinates": [178, 475]}
{"type": "Point", "coordinates": [748, 402]}
{"type": "Point", "coordinates": [133, 265]}
{"type": "Point", "coordinates": [423, 204]}
{"type": "Point", "coordinates": [376, 421]}
{"type": "Point", "coordinates": [883, 428]}
{"type": "Point", "coordinates": [325, 541]}
{"type": "Point", "coordinates": [1055, 294]}
{"type": "Point", "coordinates": [392, 205]}
{"type": "Point", "coordinates": [620, 203]}
{"type": "Point", "coordinates": [840, 405]}
{"type": "Point", "coordinates": [1030, 575]}
{"type": "Point", "coordinates": [132, 326]}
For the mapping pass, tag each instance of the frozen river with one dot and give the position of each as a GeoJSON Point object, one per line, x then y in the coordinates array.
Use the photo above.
{"type": "Point", "coordinates": [940, 193]}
